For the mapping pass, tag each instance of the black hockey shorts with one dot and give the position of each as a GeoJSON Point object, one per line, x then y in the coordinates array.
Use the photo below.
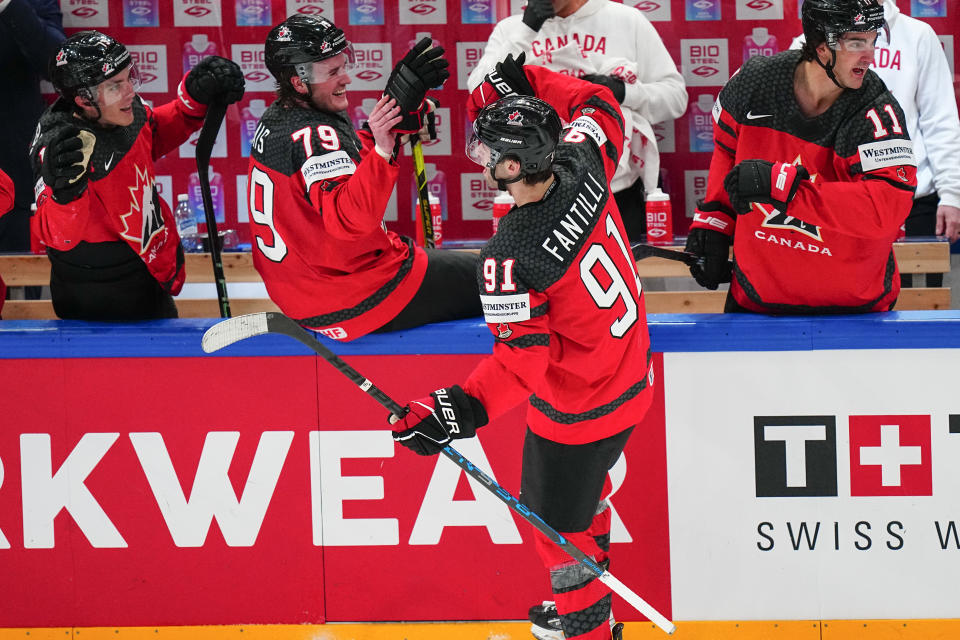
{"type": "Point", "coordinates": [448, 292]}
{"type": "Point", "coordinates": [105, 281]}
{"type": "Point", "coordinates": [562, 483]}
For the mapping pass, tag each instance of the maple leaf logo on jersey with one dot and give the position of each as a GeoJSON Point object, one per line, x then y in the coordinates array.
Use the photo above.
{"type": "Point", "coordinates": [515, 118]}
{"type": "Point", "coordinates": [504, 331]}
{"type": "Point", "coordinates": [143, 203]}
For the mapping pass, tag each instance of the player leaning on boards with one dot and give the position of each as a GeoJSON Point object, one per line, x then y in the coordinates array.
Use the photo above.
{"type": "Point", "coordinates": [812, 175]}
{"type": "Point", "coordinates": [318, 191]}
{"type": "Point", "coordinates": [112, 242]}
{"type": "Point", "coordinates": [562, 298]}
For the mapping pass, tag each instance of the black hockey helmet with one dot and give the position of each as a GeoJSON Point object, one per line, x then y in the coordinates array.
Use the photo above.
{"type": "Point", "coordinates": [84, 60]}
{"type": "Point", "coordinates": [524, 127]}
{"type": "Point", "coordinates": [827, 20]}
{"type": "Point", "coordinates": [300, 40]}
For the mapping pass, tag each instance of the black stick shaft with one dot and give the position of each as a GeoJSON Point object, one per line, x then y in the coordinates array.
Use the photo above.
{"type": "Point", "coordinates": [208, 135]}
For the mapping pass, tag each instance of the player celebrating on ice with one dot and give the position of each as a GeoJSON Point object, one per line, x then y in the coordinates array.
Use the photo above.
{"type": "Point", "coordinates": [562, 298]}
{"type": "Point", "coordinates": [812, 175]}
{"type": "Point", "coordinates": [318, 191]}
{"type": "Point", "coordinates": [112, 242]}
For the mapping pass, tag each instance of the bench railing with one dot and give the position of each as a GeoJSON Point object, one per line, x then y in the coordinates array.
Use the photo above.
{"type": "Point", "coordinates": [22, 270]}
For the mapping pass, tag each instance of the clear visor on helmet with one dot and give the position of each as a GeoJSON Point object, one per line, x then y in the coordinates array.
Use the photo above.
{"type": "Point", "coordinates": [118, 88]}
{"type": "Point", "coordinates": [480, 153]}
{"type": "Point", "coordinates": [323, 70]}
{"type": "Point", "coordinates": [857, 42]}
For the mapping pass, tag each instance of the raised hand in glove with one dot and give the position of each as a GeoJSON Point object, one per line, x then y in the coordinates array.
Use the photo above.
{"type": "Point", "coordinates": [508, 78]}
{"type": "Point", "coordinates": [762, 181]}
{"type": "Point", "coordinates": [422, 68]}
{"type": "Point", "coordinates": [714, 249]}
{"type": "Point", "coordinates": [613, 83]}
{"type": "Point", "coordinates": [537, 12]}
{"type": "Point", "coordinates": [215, 77]}
{"type": "Point", "coordinates": [432, 422]}
{"type": "Point", "coordinates": [66, 161]}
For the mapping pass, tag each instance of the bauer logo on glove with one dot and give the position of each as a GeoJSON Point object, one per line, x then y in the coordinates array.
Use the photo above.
{"type": "Point", "coordinates": [431, 423]}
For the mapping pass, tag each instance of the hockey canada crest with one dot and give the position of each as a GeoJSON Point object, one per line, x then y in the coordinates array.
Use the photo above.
{"type": "Point", "coordinates": [504, 331]}
{"type": "Point", "coordinates": [515, 118]}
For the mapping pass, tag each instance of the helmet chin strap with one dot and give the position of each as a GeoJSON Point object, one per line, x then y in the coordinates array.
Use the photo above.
{"type": "Point", "coordinates": [503, 182]}
{"type": "Point", "coordinates": [828, 67]}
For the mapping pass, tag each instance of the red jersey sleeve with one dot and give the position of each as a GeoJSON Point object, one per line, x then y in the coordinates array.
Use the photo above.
{"type": "Point", "coordinates": [6, 193]}
{"type": "Point", "coordinates": [173, 122]}
{"type": "Point", "coordinates": [350, 196]}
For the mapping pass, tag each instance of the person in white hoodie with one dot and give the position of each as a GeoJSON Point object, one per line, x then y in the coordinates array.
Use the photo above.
{"type": "Point", "coordinates": [911, 62]}
{"type": "Point", "coordinates": [614, 45]}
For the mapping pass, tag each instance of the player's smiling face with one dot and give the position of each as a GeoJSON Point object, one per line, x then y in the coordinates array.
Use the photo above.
{"type": "Point", "coordinates": [328, 90]}
{"type": "Point", "coordinates": [115, 99]}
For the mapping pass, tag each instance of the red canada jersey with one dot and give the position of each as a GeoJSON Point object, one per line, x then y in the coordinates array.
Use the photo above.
{"type": "Point", "coordinates": [832, 250]}
{"type": "Point", "coordinates": [120, 202]}
{"type": "Point", "coordinates": [317, 194]}
{"type": "Point", "coordinates": [559, 285]}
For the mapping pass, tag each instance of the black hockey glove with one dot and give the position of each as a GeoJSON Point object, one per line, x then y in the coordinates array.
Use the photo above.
{"type": "Point", "coordinates": [421, 69]}
{"type": "Point", "coordinates": [762, 181]}
{"type": "Point", "coordinates": [613, 83]}
{"type": "Point", "coordinates": [215, 77]}
{"type": "Point", "coordinates": [65, 163]}
{"type": "Point", "coordinates": [432, 422]}
{"type": "Point", "coordinates": [537, 12]}
{"type": "Point", "coordinates": [714, 248]}
{"type": "Point", "coordinates": [508, 78]}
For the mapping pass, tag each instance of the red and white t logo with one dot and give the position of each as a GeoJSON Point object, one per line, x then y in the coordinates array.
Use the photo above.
{"type": "Point", "coordinates": [890, 456]}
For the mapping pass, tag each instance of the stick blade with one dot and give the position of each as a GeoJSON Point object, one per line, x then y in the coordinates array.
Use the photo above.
{"type": "Point", "coordinates": [231, 330]}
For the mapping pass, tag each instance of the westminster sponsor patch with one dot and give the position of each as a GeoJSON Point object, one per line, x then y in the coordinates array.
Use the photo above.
{"type": "Point", "coordinates": [887, 153]}
{"type": "Point", "coordinates": [589, 126]}
{"type": "Point", "coordinates": [329, 165]}
{"type": "Point", "coordinates": [502, 309]}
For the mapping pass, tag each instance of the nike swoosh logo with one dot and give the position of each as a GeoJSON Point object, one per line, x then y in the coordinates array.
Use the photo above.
{"type": "Point", "coordinates": [106, 167]}
{"type": "Point", "coordinates": [751, 116]}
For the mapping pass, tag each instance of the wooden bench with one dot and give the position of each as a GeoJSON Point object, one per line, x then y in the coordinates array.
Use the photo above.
{"type": "Point", "coordinates": [20, 270]}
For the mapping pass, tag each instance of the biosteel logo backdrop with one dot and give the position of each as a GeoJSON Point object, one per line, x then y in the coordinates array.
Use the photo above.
{"type": "Point", "coordinates": [269, 490]}
{"type": "Point", "coordinates": [707, 39]}
{"type": "Point", "coordinates": [814, 489]}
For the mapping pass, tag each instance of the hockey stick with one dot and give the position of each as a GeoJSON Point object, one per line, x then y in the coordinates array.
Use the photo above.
{"type": "Point", "coordinates": [423, 193]}
{"type": "Point", "coordinates": [227, 332]}
{"type": "Point", "coordinates": [641, 251]}
{"type": "Point", "coordinates": [208, 135]}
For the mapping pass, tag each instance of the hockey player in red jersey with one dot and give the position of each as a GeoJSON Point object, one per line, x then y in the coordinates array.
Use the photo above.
{"type": "Point", "coordinates": [318, 191]}
{"type": "Point", "coordinates": [812, 175]}
{"type": "Point", "coordinates": [563, 300]}
{"type": "Point", "coordinates": [113, 245]}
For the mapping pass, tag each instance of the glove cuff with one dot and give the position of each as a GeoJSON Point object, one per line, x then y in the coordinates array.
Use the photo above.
{"type": "Point", "coordinates": [188, 104]}
{"type": "Point", "coordinates": [463, 414]}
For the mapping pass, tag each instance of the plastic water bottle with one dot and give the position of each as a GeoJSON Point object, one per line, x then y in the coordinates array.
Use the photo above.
{"type": "Point", "coordinates": [186, 224]}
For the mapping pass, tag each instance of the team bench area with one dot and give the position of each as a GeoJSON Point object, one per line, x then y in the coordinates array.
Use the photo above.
{"type": "Point", "coordinates": [914, 257]}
